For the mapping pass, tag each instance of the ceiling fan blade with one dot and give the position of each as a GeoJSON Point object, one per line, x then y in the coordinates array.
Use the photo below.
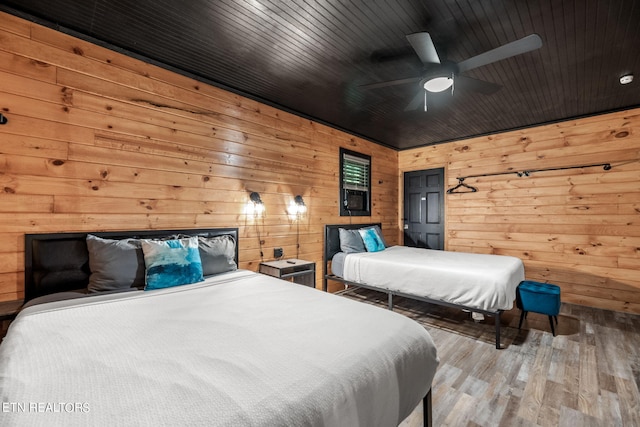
{"type": "Point", "coordinates": [480, 86]}
{"type": "Point", "coordinates": [416, 102]}
{"type": "Point", "coordinates": [423, 45]}
{"type": "Point", "coordinates": [382, 56]}
{"type": "Point", "coordinates": [525, 44]}
{"type": "Point", "coordinates": [391, 83]}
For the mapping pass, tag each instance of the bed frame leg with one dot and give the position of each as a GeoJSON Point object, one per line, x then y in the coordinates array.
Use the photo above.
{"type": "Point", "coordinates": [426, 410]}
{"type": "Point", "coordinates": [390, 301]}
{"type": "Point", "coordinates": [498, 331]}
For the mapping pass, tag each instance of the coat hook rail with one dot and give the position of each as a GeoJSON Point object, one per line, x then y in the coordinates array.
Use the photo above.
{"type": "Point", "coordinates": [605, 166]}
{"type": "Point", "coordinates": [464, 188]}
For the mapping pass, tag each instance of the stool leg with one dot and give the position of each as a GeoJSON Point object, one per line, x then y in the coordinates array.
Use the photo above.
{"type": "Point", "coordinates": [553, 330]}
{"type": "Point", "coordinates": [498, 331]}
{"type": "Point", "coordinates": [522, 315]}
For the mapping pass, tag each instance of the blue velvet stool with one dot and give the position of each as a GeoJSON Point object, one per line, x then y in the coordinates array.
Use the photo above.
{"type": "Point", "coordinates": [543, 298]}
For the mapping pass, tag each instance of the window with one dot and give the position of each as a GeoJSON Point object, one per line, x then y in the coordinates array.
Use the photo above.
{"type": "Point", "coordinates": [355, 183]}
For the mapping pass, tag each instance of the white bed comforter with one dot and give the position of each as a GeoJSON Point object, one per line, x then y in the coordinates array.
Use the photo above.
{"type": "Point", "coordinates": [242, 349]}
{"type": "Point", "coordinates": [485, 282]}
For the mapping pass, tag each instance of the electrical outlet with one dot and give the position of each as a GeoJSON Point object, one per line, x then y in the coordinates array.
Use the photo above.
{"type": "Point", "coordinates": [278, 252]}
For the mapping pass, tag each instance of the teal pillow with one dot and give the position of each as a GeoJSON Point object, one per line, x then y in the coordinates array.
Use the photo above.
{"type": "Point", "coordinates": [371, 240]}
{"type": "Point", "coordinates": [171, 263]}
{"type": "Point", "coordinates": [379, 234]}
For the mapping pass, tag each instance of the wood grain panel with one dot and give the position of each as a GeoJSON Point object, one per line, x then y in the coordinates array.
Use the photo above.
{"type": "Point", "coordinates": [100, 141]}
{"type": "Point", "coordinates": [578, 228]}
{"type": "Point", "coordinates": [16, 25]}
{"type": "Point", "coordinates": [34, 147]}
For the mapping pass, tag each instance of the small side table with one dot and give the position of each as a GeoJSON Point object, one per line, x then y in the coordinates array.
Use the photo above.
{"type": "Point", "coordinates": [294, 270]}
{"type": "Point", "coordinates": [8, 311]}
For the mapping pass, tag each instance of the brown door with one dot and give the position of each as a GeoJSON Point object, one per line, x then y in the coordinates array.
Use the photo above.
{"type": "Point", "coordinates": [424, 208]}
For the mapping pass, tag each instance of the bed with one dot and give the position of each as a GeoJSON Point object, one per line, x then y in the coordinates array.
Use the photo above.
{"type": "Point", "coordinates": [478, 283]}
{"type": "Point", "coordinates": [237, 348]}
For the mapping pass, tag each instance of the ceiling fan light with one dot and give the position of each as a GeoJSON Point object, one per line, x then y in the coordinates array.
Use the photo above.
{"type": "Point", "coordinates": [626, 79]}
{"type": "Point", "coordinates": [438, 84]}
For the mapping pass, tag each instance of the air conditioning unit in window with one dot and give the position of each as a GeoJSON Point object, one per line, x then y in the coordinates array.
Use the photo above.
{"type": "Point", "coordinates": [355, 200]}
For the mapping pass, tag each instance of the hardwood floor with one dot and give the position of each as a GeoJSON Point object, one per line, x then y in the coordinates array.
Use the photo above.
{"type": "Point", "coordinates": [587, 375]}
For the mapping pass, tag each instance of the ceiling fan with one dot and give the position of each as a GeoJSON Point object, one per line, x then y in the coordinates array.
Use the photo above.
{"type": "Point", "coordinates": [438, 75]}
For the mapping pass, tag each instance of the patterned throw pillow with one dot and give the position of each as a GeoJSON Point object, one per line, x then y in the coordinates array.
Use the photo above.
{"type": "Point", "coordinates": [371, 240]}
{"type": "Point", "coordinates": [171, 262]}
{"type": "Point", "coordinates": [376, 228]}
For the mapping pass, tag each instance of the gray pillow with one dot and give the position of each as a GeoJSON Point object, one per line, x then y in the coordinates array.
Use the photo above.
{"type": "Point", "coordinates": [115, 264]}
{"type": "Point", "coordinates": [351, 241]}
{"type": "Point", "coordinates": [217, 254]}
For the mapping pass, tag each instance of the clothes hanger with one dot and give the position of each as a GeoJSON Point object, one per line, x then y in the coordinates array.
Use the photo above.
{"type": "Point", "coordinates": [461, 184]}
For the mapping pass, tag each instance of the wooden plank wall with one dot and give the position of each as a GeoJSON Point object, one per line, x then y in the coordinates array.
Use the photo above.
{"type": "Point", "coordinates": [99, 141]}
{"type": "Point", "coordinates": [577, 228]}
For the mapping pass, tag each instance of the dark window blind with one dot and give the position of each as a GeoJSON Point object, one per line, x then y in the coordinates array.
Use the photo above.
{"type": "Point", "coordinates": [355, 173]}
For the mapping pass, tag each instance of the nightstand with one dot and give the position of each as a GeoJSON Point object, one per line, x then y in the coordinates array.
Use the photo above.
{"type": "Point", "coordinates": [8, 310]}
{"type": "Point", "coordinates": [294, 270]}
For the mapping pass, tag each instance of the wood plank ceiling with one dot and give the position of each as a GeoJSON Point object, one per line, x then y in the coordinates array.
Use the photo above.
{"type": "Point", "coordinates": [311, 57]}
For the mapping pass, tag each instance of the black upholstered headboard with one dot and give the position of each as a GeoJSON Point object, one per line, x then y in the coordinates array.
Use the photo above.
{"type": "Point", "coordinates": [332, 242]}
{"type": "Point", "coordinates": [59, 262]}
{"type": "Point", "coordinates": [332, 237]}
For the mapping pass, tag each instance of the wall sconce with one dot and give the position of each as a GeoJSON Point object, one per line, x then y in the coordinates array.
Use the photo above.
{"type": "Point", "coordinates": [255, 207]}
{"type": "Point", "coordinates": [297, 207]}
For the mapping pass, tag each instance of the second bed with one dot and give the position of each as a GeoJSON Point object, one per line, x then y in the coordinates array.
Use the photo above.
{"type": "Point", "coordinates": [475, 282]}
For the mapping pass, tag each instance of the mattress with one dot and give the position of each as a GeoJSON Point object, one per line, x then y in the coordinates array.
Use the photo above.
{"type": "Point", "coordinates": [484, 282]}
{"type": "Point", "coordinates": [337, 263]}
{"type": "Point", "coordinates": [237, 349]}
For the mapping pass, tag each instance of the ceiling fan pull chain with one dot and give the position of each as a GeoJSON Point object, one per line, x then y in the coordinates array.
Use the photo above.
{"type": "Point", "coordinates": [453, 83]}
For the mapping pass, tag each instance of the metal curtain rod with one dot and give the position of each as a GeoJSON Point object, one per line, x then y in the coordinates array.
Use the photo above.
{"type": "Point", "coordinates": [526, 172]}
